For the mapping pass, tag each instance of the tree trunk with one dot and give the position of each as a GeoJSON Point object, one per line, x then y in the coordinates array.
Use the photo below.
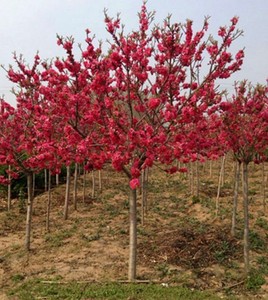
{"type": "Point", "coordinates": [147, 180]}
{"type": "Point", "coordinates": [263, 187]}
{"type": "Point", "coordinates": [29, 210]}
{"type": "Point", "coordinates": [45, 179]}
{"type": "Point", "coordinates": [236, 189]}
{"type": "Point", "coordinates": [57, 179]}
{"type": "Point", "coordinates": [33, 185]}
{"type": "Point", "coordinates": [79, 171]}
{"type": "Point", "coordinates": [223, 171]}
{"type": "Point", "coordinates": [100, 181]}
{"type": "Point", "coordinates": [210, 169]}
{"type": "Point", "coordinates": [197, 179]}
{"type": "Point", "coordinates": [9, 190]}
{"type": "Point", "coordinates": [132, 267]}
{"type": "Point", "coordinates": [144, 180]}
{"type": "Point", "coordinates": [75, 186]}
{"type": "Point", "coordinates": [93, 185]}
{"type": "Point", "coordinates": [246, 218]}
{"type": "Point", "coordinates": [48, 202]}
{"type": "Point", "coordinates": [191, 178]}
{"type": "Point", "coordinates": [219, 185]}
{"type": "Point", "coordinates": [84, 185]}
{"type": "Point", "coordinates": [67, 192]}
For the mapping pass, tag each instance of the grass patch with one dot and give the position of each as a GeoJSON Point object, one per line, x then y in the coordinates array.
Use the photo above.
{"type": "Point", "coordinates": [163, 270]}
{"type": "Point", "coordinates": [261, 222]}
{"type": "Point", "coordinates": [254, 281]}
{"type": "Point", "coordinates": [92, 237]}
{"type": "Point", "coordinates": [17, 278]}
{"type": "Point", "coordinates": [256, 241]}
{"type": "Point", "coordinates": [263, 264]}
{"type": "Point", "coordinates": [112, 210]}
{"type": "Point", "coordinates": [223, 252]}
{"type": "Point", "coordinates": [57, 239]}
{"type": "Point", "coordinates": [36, 289]}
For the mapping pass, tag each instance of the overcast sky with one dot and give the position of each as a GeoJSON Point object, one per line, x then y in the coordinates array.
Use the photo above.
{"type": "Point", "coordinates": [28, 26]}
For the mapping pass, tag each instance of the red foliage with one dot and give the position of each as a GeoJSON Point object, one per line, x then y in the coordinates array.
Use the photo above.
{"type": "Point", "coordinates": [143, 101]}
{"type": "Point", "coordinates": [245, 122]}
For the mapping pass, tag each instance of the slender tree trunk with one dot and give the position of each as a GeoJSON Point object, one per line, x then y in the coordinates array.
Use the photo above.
{"type": "Point", "coordinates": [263, 187]}
{"type": "Point", "coordinates": [234, 166]}
{"type": "Point", "coordinates": [9, 190]}
{"type": "Point", "coordinates": [75, 186]}
{"type": "Point", "coordinates": [132, 236]}
{"type": "Point", "coordinates": [223, 171]}
{"type": "Point", "coordinates": [79, 170]}
{"type": "Point", "coordinates": [191, 178]}
{"type": "Point", "coordinates": [236, 189]}
{"type": "Point", "coordinates": [142, 196]}
{"type": "Point", "coordinates": [67, 192]}
{"type": "Point", "coordinates": [29, 210]}
{"type": "Point", "coordinates": [84, 184]}
{"type": "Point", "coordinates": [144, 180]}
{"type": "Point", "coordinates": [93, 184]}
{"type": "Point", "coordinates": [48, 202]}
{"type": "Point", "coordinates": [210, 169]}
{"type": "Point", "coordinates": [33, 185]}
{"type": "Point", "coordinates": [57, 180]}
{"type": "Point", "coordinates": [197, 169]}
{"type": "Point", "coordinates": [246, 218]}
{"type": "Point", "coordinates": [45, 179]}
{"type": "Point", "coordinates": [219, 185]}
{"type": "Point", "coordinates": [100, 181]}
{"type": "Point", "coordinates": [147, 180]}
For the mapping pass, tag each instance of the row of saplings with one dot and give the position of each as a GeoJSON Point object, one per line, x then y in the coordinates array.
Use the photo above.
{"type": "Point", "coordinates": [44, 182]}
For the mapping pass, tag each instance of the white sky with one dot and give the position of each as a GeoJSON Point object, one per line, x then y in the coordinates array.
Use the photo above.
{"type": "Point", "coordinates": [28, 26]}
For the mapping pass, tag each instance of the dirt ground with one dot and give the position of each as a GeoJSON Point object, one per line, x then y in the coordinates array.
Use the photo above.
{"type": "Point", "coordinates": [181, 241]}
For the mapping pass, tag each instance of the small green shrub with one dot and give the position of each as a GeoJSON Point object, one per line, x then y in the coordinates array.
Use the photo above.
{"type": "Point", "coordinates": [223, 252]}
{"type": "Point", "coordinates": [263, 264]}
{"type": "Point", "coordinates": [254, 281]}
{"type": "Point", "coordinates": [163, 269]}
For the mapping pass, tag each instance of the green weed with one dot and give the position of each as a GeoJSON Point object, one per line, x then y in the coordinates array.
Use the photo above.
{"type": "Point", "coordinates": [256, 242]}
{"type": "Point", "coordinates": [112, 210]}
{"type": "Point", "coordinates": [263, 264]}
{"type": "Point", "coordinates": [163, 269]}
{"type": "Point", "coordinates": [17, 278]}
{"type": "Point", "coordinates": [223, 252]}
{"type": "Point", "coordinates": [57, 239]}
{"type": "Point", "coordinates": [91, 238]}
{"type": "Point", "coordinates": [254, 281]}
{"type": "Point", "coordinates": [262, 223]}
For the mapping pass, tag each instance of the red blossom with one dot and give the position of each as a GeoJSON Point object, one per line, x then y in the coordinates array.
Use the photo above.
{"type": "Point", "coordinates": [4, 180]}
{"type": "Point", "coordinates": [134, 183]}
{"type": "Point", "coordinates": [153, 103]}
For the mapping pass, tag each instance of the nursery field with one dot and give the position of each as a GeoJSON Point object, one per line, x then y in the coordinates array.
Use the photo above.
{"type": "Point", "coordinates": [185, 249]}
